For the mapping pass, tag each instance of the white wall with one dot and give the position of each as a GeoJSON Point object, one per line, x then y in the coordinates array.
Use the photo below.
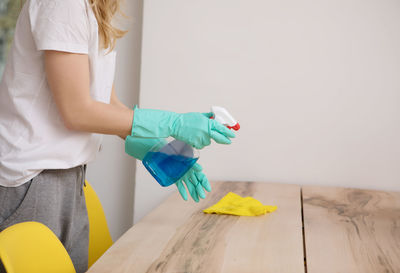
{"type": "Point", "coordinates": [314, 84]}
{"type": "Point", "coordinates": [112, 174]}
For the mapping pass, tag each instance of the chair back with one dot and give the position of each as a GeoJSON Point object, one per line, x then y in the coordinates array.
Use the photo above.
{"type": "Point", "coordinates": [99, 235]}
{"type": "Point", "coordinates": [32, 247]}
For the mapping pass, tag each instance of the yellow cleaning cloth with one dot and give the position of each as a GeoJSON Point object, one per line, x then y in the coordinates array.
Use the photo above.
{"type": "Point", "coordinates": [236, 205]}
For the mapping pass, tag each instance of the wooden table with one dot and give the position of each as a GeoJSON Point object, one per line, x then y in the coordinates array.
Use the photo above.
{"type": "Point", "coordinates": [345, 230]}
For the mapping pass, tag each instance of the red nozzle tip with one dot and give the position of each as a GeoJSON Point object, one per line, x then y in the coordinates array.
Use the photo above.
{"type": "Point", "coordinates": [236, 127]}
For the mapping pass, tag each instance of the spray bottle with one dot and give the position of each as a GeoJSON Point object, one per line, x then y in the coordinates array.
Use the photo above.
{"type": "Point", "coordinates": [170, 159]}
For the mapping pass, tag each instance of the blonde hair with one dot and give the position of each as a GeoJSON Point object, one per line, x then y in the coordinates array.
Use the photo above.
{"type": "Point", "coordinates": [104, 10]}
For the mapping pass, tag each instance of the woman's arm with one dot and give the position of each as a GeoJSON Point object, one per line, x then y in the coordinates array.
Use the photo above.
{"type": "Point", "coordinates": [116, 102]}
{"type": "Point", "coordinates": [68, 77]}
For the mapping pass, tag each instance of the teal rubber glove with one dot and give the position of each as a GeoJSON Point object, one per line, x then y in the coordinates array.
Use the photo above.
{"type": "Point", "coordinates": [194, 179]}
{"type": "Point", "coordinates": [196, 129]}
{"type": "Point", "coordinates": [138, 147]}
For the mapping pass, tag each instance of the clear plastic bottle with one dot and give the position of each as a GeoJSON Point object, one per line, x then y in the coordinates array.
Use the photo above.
{"type": "Point", "coordinates": [169, 160]}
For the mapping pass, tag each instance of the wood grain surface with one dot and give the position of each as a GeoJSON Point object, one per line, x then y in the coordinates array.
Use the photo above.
{"type": "Point", "coordinates": [178, 237]}
{"type": "Point", "coordinates": [351, 230]}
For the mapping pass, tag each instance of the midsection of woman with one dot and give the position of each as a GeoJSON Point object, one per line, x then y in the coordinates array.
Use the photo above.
{"type": "Point", "coordinates": [34, 136]}
{"type": "Point", "coordinates": [56, 98]}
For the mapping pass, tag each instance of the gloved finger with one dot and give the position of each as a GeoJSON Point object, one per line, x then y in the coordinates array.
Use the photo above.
{"type": "Point", "coordinates": [198, 146]}
{"type": "Point", "coordinates": [203, 180]}
{"type": "Point", "coordinates": [219, 138]}
{"type": "Point", "coordinates": [208, 115]}
{"type": "Point", "coordinates": [201, 177]}
{"type": "Point", "coordinates": [191, 189]}
{"type": "Point", "coordinates": [197, 167]}
{"type": "Point", "coordinates": [216, 126]}
{"type": "Point", "coordinates": [206, 142]}
{"type": "Point", "coordinates": [197, 185]}
{"type": "Point", "coordinates": [181, 189]}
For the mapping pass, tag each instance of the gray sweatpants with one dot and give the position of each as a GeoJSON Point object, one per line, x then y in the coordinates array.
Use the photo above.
{"type": "Point", "coordinates": [56, 199]}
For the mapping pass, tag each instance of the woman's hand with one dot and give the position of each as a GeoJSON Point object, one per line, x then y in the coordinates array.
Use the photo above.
{"type": "Point", "coordinates": [195, 181]}
{"type": "Point", "coordinates": [196, 129]}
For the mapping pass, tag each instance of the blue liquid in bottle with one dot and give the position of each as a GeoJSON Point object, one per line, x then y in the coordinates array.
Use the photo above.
{"type": "Point", "coordinates": [167, 169]}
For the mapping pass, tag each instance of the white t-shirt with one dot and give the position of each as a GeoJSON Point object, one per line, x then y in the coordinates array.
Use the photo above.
{"type": "Point", "coordinates": [32, 134]}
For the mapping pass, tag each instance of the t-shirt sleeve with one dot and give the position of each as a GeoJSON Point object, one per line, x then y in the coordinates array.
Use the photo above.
{"type": "Point", "coordinates": [60, 25]}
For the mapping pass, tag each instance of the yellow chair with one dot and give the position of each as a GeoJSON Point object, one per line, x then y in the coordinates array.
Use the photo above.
{"type": "Point", "coordinates": [32, 247]}
{"type": "Point", "coordinates": [99, 235]}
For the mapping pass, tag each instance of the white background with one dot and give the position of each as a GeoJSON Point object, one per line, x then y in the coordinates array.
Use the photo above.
{"type": "Point", "coordinates": [314, 84]}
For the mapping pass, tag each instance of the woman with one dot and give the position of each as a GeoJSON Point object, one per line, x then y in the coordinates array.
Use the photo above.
{"type": "Point", "coordinates": [56, 99]}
